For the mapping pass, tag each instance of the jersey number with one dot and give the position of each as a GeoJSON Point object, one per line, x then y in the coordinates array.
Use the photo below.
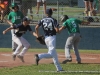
{"type": "Point", "coordinates": [48, 26]}
{"type": "Point", "coordinates": [74, 24]}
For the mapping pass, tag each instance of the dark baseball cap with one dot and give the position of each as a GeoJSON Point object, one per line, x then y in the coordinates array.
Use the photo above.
{"type": "Point", "coordinates": [49, 11]}
{"type": "Point", "coordinates": [26, 19]}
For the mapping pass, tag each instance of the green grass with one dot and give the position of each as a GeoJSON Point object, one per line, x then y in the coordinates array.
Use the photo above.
{"type": "Point", "coordinates": [77, 69]}
{"type": "Point", "coordinates": [45, 50]}
{"type": "Point", "coordinates": [34, 70]}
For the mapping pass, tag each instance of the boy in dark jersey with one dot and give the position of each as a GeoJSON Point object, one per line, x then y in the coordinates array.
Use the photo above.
{"type": "Point", "coordinates": [19, 40]}
{"type": "Point", "coordinates": [50, 28]}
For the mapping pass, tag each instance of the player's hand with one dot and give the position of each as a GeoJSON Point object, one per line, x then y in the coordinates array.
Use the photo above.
{"type": "Point", "coordinates": [35, 35]}
{"type": "Point", "coordinates": [4, 32]}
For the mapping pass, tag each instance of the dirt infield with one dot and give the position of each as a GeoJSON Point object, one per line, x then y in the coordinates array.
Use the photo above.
{"type": "Point", "coordinates": [6, 59]}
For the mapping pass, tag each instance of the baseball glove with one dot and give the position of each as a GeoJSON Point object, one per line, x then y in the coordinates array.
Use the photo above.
{"type": "Point", "coordinates": [40, 39]}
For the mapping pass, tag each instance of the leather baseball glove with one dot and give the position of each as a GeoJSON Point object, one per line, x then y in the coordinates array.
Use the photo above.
{"type": "Point", "coordinates": [40, 39]}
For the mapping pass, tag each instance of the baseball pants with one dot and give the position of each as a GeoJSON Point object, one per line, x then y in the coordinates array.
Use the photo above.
{"type": "Point", "coordinates": [72, 42]}
{"type": "Point", "coordinates": [22, 43]}
{"type": "Point", "coordinates": [51, 44]}
{"type": "Point", "coordinates": [14, 45]}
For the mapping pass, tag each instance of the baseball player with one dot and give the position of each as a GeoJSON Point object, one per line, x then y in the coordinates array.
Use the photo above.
{"type": "Point", "coordinates": [19, 40]}
{"type": "Point", "coordinates": [14, 17]}
{"type": "Point", "coordinates": [38, 6]}
{"type": "Point", "coordinates": [50, 27]}
{"type": "Point", "coordinates": [73, 40]}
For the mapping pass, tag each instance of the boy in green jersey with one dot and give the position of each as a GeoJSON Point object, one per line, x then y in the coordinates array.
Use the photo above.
{"type": "Point", "coordinates": [14, 17]}
{"type": "Point", "coordinates": [72, 25]}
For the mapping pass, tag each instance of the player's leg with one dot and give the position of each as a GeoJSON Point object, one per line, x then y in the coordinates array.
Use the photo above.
{"type": "Point", "coordinates": [24, 50]}
{"type": "Point", "coordinates": [14, 45]}
{"type": "Point", "coordinates": [52, 51]}
{"type": "Point", "coordinates": [19, 47]}
{"type": "Point", "coordinates": [38, 6]}
{"type": "Point", "coordinates": [75, 47]}
{"type": "Point", "coordinates": [68, 46]}
{"type": "Point", "coordinates": [26, 45]}
{"type": "Point", "coordinates": [44, 6]}
{"type": "Point", "coordinates": [50, 42]}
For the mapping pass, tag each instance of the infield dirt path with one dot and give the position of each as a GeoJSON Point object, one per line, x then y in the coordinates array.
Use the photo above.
{"type": "Point", "coordinates": [6, 59]}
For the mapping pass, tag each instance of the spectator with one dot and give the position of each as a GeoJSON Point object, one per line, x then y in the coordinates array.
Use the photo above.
{"type": "Point", "coordinates": [38, 6]}
{"type": "Point", "coordinates": [89, 10]}
{"type": "Point", "coordinates": [2, 8]}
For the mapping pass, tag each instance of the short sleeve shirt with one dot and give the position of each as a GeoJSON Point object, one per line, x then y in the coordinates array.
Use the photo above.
{"type": "Point", "coordinates": [21, 29]}
{"type": "Point", "coordinates": [15, 17]}
{"type": "Point", "coordinates": [72, 25]}
{"type": "Point", "coordinates": [49, 24]}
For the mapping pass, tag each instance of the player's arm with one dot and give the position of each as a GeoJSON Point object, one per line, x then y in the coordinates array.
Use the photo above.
{"type": "Point", "coordinates": [9, 19]}
{"type": "Point", "coordinates": [36, 33]}
{"type": "Point", "coordinates": [61, 28]}
{"type": "Point", "coordinates": [9, 22]}
{"type": "Point", "coordinates": [6, 30]}
{"type": "Point", "coordinates": [57, 29]}
{"type": "Point", "coordinates": [85, 23]}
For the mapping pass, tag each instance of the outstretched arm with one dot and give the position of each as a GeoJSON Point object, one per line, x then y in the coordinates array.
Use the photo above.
{"type": "Point", "coordinates": [4, 32]}
{"type": "Point", "coordinates": [85, 23]}
{"type": "Point", "coordinates": [61, 28]}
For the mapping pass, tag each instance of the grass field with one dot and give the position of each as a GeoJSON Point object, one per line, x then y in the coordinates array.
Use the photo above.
{"type": "Point", "coordinates": [49, 69]}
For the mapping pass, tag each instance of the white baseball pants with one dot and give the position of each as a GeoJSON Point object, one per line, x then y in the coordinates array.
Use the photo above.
{"type": "Point", "coordinates": [22, 43]}
{"type": "Point", "coordinates": [14, 45]}
{"type": "Point", "coordinates": [51, 44]}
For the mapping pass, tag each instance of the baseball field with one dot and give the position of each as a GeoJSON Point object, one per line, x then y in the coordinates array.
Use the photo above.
{"type": "Point", "coordinates": [90, 63]}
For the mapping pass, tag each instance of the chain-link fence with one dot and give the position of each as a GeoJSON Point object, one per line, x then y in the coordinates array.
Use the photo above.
{"type": "Point", "coordinates": [73, 8]}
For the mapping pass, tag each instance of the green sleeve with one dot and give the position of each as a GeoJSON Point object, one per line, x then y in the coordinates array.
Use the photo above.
{"type": "Point", "coordinates": [9, 16]}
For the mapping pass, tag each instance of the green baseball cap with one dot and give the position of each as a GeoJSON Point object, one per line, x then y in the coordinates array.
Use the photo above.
{"type": "Point", "coordinates": [14, 4]}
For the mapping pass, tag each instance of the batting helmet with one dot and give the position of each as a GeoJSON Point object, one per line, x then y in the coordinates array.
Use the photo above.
{"type": "Point", "coordinates": [63, 18]}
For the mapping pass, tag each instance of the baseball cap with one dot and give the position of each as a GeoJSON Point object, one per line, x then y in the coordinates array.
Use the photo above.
{"type": "Point", "coordinates": [49, 11]}
{"type": "Point", "coordinates": [14, 4]}
{"type": "Point", "coordinates": [26, 19]}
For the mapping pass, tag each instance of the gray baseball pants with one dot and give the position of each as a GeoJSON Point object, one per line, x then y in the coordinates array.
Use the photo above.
{"type": "Point", "coordinates": [72, 42]}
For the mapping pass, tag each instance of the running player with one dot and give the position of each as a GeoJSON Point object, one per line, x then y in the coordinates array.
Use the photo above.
{"type": "Point", "coordinates": [14, 17]}
{"type": "Point", "coordinates": [50, 27]}
{"type": "Point", "coordinates": [19, 40]}
{"type": "Point", "coordinates": [72, 25]}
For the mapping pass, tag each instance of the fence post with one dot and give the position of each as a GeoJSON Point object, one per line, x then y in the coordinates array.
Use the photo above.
{"type": "Point", "coordinates": [58, 11]}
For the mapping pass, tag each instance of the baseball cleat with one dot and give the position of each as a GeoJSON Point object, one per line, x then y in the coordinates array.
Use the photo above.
{"type": "Point", "coordinates": [21, 58]}
{"type": "Point", "coordinates": [13, 57]}
{"type": "Point", "coordinates": [13, 50]}
{"type": "Point", "coordinates": [78, 62]}
{"type": "Point", "coordinates": [36, 59]}
{"type": "Point", "coordinates": [67, 60]}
